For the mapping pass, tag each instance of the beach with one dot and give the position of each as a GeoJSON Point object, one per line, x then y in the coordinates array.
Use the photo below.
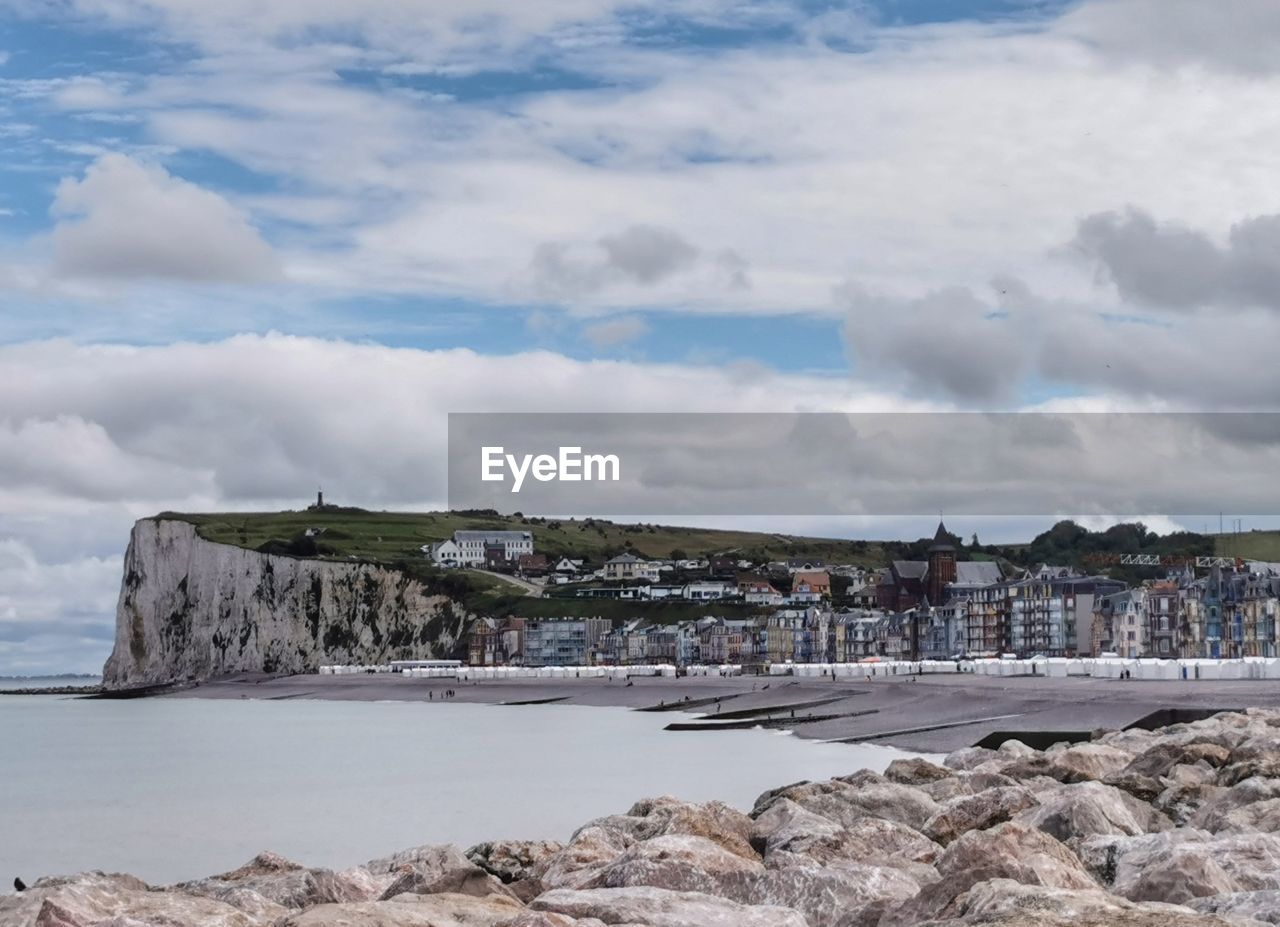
{"type": "Point", "coordinates": [926, 714]}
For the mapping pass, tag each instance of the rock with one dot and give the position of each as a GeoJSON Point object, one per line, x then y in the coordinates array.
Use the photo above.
{"type": "Point", "coordinates": [1180, 865]}
{"type": "Point", "coordinates": [1002, 903]}
{"type": "Point", "coordinates": [1143, 788]}
{"type": "Point", "coordinates": [784, 822]}
{"type": "Point", "coordinates": [431, 861]}
{"type": "Point", "coordinates": [1078, 763]}
{"type": "Point", "coordinates": [1182, 802]}
{"type": "Point", "coordinates": [658, 907]}
{"type": "Point", "coordinates": [1255, 757]}
{"type": "Point", "coordinates": [1232, 809]}
{"type": "Point", "coordinates": [680, 863]}
{"type": "Point", "coordinates": [825, 895]}
{"type": "Point", "coordinates": [279, 881]}
{"type": "Point", "coordinates": [851, 896]}
{"type": "Point", "coordinates": [472, 881]}
{"type": "Point", "coordinates": [969, 758]}
{"type": "Point", "coordinates": [1086, 809]}
{"type": "Point", "coordinates": [977, 812]}
{"type": "Point", "coordinates": [86, 888]}
{"type": "Point", "coordinates": [657, 817]}
{"type": "Point", "coordinates": [96, 900]}
{"type": "Point", "coordinates": [916, 771]}
{"type": "Point", "coordinates": [969, 783]}
{"type": "Point", "coordinates": [791, 837]}
{"type": "Point", "coordinates": [411, 911]}
{"type": "Point", "coordinates": [1008, 851]}
{"type": "Point", "coordinates": [845, 801]}
{"type": "Point", "coordinates": [1015, 851]}
{"type": "Point", "coordinates": [512, 860]}
{"type": "Point", "coordinates": [1157, 761]}
{"type": "Point", "coordinates": [579, 864]}
{"type": "Point", "coordinates": [1263, 906]}
{"type": "Point", "coordinates": [544, 919]}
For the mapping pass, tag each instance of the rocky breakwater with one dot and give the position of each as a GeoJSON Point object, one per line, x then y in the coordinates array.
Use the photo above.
{"type": "Point", "coordinates": [1175, 827]}
{"type": "Point", "coordinates": [191, 609]}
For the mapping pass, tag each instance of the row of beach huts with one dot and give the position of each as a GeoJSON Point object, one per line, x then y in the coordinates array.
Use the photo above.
{"type": "Point", "coordinates": [1052, 667]}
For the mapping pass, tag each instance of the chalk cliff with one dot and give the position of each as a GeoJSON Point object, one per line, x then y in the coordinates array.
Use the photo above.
{"type": "Point", "coordinates": [192, 609]}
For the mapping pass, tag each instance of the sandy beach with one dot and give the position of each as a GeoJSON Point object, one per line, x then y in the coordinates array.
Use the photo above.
{"type": "Point", "coordinates": [933, 714]}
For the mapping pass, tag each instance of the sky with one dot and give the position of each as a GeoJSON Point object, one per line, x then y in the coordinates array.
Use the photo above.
{"type": "Point", "coordinates": [253, 247]}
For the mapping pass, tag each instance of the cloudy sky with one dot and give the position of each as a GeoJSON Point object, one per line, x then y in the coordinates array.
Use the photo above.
{"type": "Point", "coordinates": [254, 246]}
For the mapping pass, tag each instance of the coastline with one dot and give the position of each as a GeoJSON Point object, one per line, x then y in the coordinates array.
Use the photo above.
{"type": "Point", "coordinates": [1174, 827]}
{"type": "Point", "coordinates": [928, 714]}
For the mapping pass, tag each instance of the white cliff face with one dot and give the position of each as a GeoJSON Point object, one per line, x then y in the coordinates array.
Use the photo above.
{"type": "Point", "coordinates": [191, 609]}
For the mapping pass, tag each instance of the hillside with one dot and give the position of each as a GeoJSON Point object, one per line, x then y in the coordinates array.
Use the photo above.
{"type": "Point", "coordinates": [1250, 545]}
{"type": "Point", "coordinates": [386, 537]}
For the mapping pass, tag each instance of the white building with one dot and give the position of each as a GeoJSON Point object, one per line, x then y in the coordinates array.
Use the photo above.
{"type": "Point", "coordinates": [708, 590]}
{"type": "Point", "coordinates": [443, 553]}
{"type": "Point", "coordinates": [467, 548]}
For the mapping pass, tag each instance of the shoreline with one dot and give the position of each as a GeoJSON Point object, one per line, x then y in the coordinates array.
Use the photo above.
{"type": "Point", "coordinates": [1174, 827]}
{"type": "Point", "coordinates": [927, 714]}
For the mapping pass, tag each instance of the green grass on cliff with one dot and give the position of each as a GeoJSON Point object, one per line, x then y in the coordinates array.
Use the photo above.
{"type": "Point", "coordinates": [1249, 545]}
{"type": "Point", "coordinates": [396, 539]}
{"type": "Point", "coordinates": [386, 537]}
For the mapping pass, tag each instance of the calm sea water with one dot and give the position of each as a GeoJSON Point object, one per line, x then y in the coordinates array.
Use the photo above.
{"type": "Point", "coordinates": [170, 789]}
{"type": "Point", "coordinates": [46, 682]}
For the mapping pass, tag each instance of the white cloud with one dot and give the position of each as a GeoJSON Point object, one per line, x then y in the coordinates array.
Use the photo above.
{"type": "Point", "coordinates": [95, 436]}
{"type": "Point", "coordinates": [129, 220]}
{"type": "Point", "coordinates": [1238, 35]}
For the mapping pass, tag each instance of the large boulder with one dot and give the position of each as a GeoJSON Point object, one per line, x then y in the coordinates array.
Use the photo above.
{"type": "Point", "coordinates": [970, 758]}
{"type": "Point", "coordinates": [1262, 906]}
{"type": "Point", "coordinates": [1003, 901]}
{"type": "Point", "coordinates": [680, 863]}
{"type": "Point", "coordinates": [86, 889]}
{"type": "Point", "coordinates": [1181, 802]}
{"type": "Point", "coordinates": [977, 812]}
{"type": "Point", "coordinates": [430, 862]}
{"type": "Point", "coordinates": [94, 899]}
{"type": "Point", "coordinates": [846, 800]}
{"type": "Point", "coordinates": [1245, 806]}
{"type": "Point", "coordinates": [579, 863]}
{"type": "Point", "coordinates": [411, 911]}
{"type": "Point", "coordinates": [1008, 851]}
{"type": "Point", "coordinates": [660, 907]}
{"type": "Point", "coordinates": [280, 881]}
{"type": "Point", "coordinates": [852, 895]}
{"type": "Point", "coordinates": [1259, 756]}
{"type": "Point", "coordinates": [786, 828]}
{"type": "Point", "coordinates": [512, 860]}
{"type": "Point", "coordinates": [968, 783]}
{"type": "Point", "coordinates": [916, 771]}
{"type": "Point", "coordinates": [471, 880]}
{"type": "Point", "coordinates": [1181, 865]}
{"type": "Point", "coordinates": [1161, 758]}
{"type": "Point", "coordinates": [1076, 763]}
{"type": "Point", "coordinates": [657, 817]}
{"type": "Point", "coordinates": [1085, 809]}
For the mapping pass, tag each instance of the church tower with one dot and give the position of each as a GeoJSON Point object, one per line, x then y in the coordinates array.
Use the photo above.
{"type": "Point", "coordinates": [942, 566]}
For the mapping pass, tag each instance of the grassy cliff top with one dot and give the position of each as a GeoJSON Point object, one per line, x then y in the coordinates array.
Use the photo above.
{"type": "Point", "coordinates": [387, 537]}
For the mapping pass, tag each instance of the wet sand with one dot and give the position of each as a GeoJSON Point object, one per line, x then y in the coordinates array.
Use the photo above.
{"type": "Point", "coordinates": [928, 713]}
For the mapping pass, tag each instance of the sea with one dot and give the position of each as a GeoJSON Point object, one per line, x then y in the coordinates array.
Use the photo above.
{"type": "Point", "coordinates": [174, 789]}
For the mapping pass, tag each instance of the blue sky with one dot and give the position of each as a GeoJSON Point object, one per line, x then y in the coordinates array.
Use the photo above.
{"type": "Point", "coordinates": [252, 246]}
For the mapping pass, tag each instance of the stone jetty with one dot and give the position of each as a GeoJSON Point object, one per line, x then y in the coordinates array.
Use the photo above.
{"type": "Point", "coordinates": [1136, 828]}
